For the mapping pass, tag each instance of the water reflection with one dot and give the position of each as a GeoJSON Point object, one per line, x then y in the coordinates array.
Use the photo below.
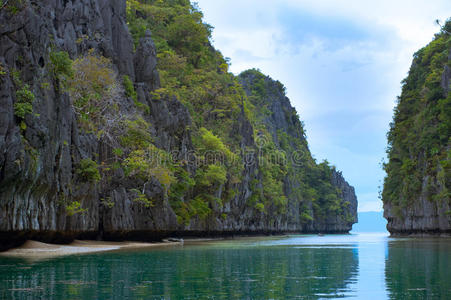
{"type": "Point", "coordinates": [221, 270]}
{"type": "Point", "coordinates": [306, 267]}
{"type": "Point", "coordinates": [419, 269]}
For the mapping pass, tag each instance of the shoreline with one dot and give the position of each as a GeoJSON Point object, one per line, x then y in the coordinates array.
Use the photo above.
{"type": "Point", "coordinates": [38, 250]}
{"type": "Point", "coordinates": [14, 239]}
{"type": "Point", "coordinates": [33, 249]}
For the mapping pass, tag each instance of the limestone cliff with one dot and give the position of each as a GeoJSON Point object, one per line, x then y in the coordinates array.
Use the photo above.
{"type": "Point", "coordinates": [417, 187]}
{"type": "Point", "coordinates": [74, 155]}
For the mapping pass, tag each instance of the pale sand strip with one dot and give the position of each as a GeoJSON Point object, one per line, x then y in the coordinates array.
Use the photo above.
{"type": "Point", "coordinates": [34, 249]}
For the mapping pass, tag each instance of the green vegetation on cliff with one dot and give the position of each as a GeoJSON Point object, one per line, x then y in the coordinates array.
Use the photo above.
{"type": "Point", "coordinates": [285, 154]}
{"type": "Point", "coordinates": [419, 140]}
{"type": "Point", "coordinates": [191, 69]}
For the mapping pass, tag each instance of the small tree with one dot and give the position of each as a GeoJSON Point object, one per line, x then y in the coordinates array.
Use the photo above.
{"type": "Point", "coordinates": [95, 94]}
{"type": "Point", "coordinates": [445, 28]}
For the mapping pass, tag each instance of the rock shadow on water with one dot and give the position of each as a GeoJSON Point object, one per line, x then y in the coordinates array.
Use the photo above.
{"type": "Point", "coordinates": [418, 268]}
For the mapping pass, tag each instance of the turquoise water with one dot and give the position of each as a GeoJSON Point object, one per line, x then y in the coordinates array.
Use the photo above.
{"type": "Point", "coordinates": [362, 266]}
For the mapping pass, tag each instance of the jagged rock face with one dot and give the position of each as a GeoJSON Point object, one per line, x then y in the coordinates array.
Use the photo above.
{"type": "Point", "coordinates": [38, 165]}
{"type": "Point", "coordinates": [423, 217]}
{"type": "Point", "coordinates": [146, 62]}
{"type": "Point", "coordinates": [38, 161]}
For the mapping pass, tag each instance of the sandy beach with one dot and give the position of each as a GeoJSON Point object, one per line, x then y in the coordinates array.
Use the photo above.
{"type": "Point", "coordinates": [36, 250]}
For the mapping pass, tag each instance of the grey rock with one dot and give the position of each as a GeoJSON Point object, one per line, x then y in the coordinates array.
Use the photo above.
{"type": "Point", "coordinates": [421, 217]}
{"type": "Point", "coordinates": [38, 164]}
{"type": "Point", "coordinates": [146, 62]}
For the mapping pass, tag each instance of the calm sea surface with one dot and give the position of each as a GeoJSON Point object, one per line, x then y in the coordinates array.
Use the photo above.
{"type": "Point", "coordinates": [363, 266]}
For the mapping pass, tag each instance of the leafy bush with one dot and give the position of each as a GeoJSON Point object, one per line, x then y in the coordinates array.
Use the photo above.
{"type": "Point", "coordinates": [260, 207]}
{"type": "Point", "coordinates": [3, 70]}
{"type": "Point", "coordinates": [210, 142]}
{"type": "Point", "coordinates": [142, 198]}
{"type": "Point", "coordinates": [188, 35]}
{"type": "Point", "coordinates": [213, 176]}
{"type": "Point", "coordinates": [173, 69]}
{"type": "Point", "coordinates": [24, 100]}
{"type": "Point", "coordinates": [183, 184]}
{"type": "Point", "coordinates": [88, 170]}
{"type": "Point", "coordinates": [22, 109]}
{"type": "Point", "coordinates": [137, 135]}
{"type": "Point", "coordinates": [94, 89]}
{"type": "Point", "coordinates": [129, 88]}
{"type": "Point", "coordinates": [25, 95]}
{"type": "Point", "coordinates": [306, 217]}
{"type": "Point", "coordinates": [199, 207]}
{"type": "Point", "coordinates": [150, 163]}
{"type": "Point", "coordinates": [75, 208]}
{"type": "Point", "coordinates": [61, 64]}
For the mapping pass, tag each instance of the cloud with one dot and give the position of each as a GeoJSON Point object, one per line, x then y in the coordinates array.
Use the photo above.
{"type": "Point", "coordinates": [368, 202]}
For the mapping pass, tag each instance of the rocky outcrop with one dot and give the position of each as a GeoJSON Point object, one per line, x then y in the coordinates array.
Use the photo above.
{"type": "Point", "coordinates": [146, 62]}
{"type": "Point", "coordinates": [335, 223]}
{"type": "Point", "coordinates": [416, 195]}
{"type": "Point", "coordinates": [288, 134]}
{"type": "Point", "coordinates": [422, 218]}
{"type": "Point", "coordinates": [40, 154]}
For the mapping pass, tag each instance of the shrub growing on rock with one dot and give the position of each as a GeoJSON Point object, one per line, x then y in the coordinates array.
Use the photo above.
{"type": "Point", "coordinates": [88, 170]}
{"type": "Point", "coordinates": [24, 100]}
{"type": "Point", "coordinates": [94, 89]}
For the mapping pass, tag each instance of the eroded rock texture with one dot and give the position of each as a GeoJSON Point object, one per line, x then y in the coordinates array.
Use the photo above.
{"type": "Point", "coordinates": [39, 156]}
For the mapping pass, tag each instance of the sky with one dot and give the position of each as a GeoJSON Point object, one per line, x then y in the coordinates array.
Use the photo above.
{"type": "Point", "coordinates": [342, 63]}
